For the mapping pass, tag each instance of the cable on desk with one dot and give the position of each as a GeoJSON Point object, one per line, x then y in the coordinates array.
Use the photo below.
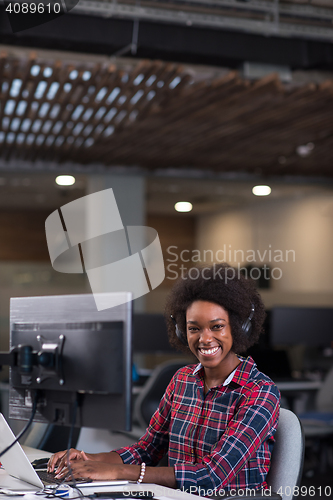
{"type": "Point", "coordinates": [24, 430]}
{"type": "Point", "coordinates": [70, 437]}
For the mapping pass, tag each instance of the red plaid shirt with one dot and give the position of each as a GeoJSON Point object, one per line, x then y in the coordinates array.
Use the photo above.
{"type": "Point", "coordinates": [221, 440]}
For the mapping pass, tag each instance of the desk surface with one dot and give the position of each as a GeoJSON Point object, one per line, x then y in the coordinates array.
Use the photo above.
{"type": "Point", "coordinates": [299, 385]}
{"type": "Point", "coordinates": [32, 453]}
{"type": "Point", "coordinates": [160, 492]}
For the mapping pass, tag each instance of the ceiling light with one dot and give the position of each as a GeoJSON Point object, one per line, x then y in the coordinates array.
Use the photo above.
{"type": "Point", "coordinates": [65, 180]}
{"type": "Point", "coordinates": [305, 149]}
{"type": "Point", "coordinates": [261, 190]}
{"type": "Point", "coordinates": [183, 206]}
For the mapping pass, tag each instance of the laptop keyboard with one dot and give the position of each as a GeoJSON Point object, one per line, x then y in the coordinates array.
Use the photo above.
{"type": "Point", "coordinates": [48, 477]}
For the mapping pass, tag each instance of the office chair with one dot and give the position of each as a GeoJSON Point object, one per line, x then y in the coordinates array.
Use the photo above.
{"type": "Point", "coordinates": [153, 390]}
{"type": "Point", "coordinates": [286, 463]}
{"type": "Point", "coordinates": [318, 424]}
{"type": "Point", "coordinates": [288, 456]}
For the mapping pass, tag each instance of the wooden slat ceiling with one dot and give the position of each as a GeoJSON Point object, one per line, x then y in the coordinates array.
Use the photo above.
{"type": "Point", "coordinates": [157, 115]}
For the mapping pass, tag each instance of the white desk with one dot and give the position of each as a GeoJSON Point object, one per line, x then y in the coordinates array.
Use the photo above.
{"type": "Point", "coordinates": [299, 385]}
{"type": "Point", "coordinates": [160, 492]}
{"type": "Point", "coordinates": [32, 453]}
{"type": "Point", "coordinates": [298, 392]}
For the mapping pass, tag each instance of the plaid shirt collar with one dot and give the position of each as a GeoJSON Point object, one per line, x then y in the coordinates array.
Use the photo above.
{"type": "Point", "coordinates": [240, 375]}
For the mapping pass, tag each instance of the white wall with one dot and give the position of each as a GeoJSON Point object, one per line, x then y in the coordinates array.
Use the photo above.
{"type": "Point", "coordinates": [297, 235]}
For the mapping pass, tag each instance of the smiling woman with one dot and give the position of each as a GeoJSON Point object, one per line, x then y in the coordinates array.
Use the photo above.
{"type": "Point", "coordinates": [217, 419]}
{"type": "Point", "coordinates": [210, 340]}
{"type": "Point", "coordinates": [223, 285]}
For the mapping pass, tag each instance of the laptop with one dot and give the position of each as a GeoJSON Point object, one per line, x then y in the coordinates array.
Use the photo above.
{"type": "Point", "coordinates": [22, 474]}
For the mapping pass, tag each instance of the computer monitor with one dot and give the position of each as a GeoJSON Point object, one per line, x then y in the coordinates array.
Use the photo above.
{"type": "Point", "coordinates": [83, 356]}
{"type": "Point", "coordinates": [309, 326]}
{"type": "Point", "coordinates": [150, 334]}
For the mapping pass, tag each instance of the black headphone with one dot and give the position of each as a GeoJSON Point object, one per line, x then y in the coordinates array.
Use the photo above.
{"type": "Point", "coordinates": [246, 327]}
{"type": "Point", "coordinates": [179, 334]}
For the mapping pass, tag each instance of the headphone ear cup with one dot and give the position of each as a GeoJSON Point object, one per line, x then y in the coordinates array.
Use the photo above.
{"type": "Point", "coordinates": [247, 327]}
{"type": "Point", "coordinates": [180, 336]}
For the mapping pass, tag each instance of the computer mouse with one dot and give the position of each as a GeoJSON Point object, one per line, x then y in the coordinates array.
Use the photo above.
{"type": "Point", "coordinates": [40, 463]}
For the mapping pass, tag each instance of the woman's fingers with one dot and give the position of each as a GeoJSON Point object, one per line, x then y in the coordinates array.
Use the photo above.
{"type": "Point", "coordinates": [69, 473]}
{"type": "Point", "coordinates": [59, 460]}
{"type": "Point", "coordinates": [54, 460]}
{"type": "Point", "coordinates": [87, 469]}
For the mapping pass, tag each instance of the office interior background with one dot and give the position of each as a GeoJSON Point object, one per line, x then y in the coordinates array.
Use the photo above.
{"type": "Point", "coordinates": [168, 102]}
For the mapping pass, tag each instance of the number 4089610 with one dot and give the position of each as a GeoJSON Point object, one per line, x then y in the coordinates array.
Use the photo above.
{"type": "Point", "coordinates": [33, 8]}
{"type": "Point", "coordinates": [302, 491]}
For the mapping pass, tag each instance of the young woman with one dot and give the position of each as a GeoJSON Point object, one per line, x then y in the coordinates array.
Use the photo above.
{"type": "Point", "coordinates": [217, 419]}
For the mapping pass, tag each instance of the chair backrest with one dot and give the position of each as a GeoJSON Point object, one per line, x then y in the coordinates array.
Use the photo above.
{"type": "Point", "coordinates": [324, 397]}
{"type": "Point", "coordinates": [287, 457]}
{"type": "Point", "coordinates": [151, 393]}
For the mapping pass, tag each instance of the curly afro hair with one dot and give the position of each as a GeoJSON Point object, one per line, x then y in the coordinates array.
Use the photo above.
{"type": "Point", "coordinates": [225, 286]}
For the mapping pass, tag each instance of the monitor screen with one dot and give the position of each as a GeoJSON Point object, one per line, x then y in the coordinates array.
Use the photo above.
{"type": "Point", "coordinates": [75, 354]}
{"type": "Point", "coordinates": [150, 334]}
{"type": "Point", "coordinates": [310, 326]}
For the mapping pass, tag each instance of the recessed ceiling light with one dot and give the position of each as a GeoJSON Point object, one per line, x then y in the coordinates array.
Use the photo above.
{"type": "Point", "coordinates": [261, 190]}
{"type": "Point", "coordinates": [65, 180]}
{"type": "Point", "coordinates": [183, 206]}
{"type": "Point", "coordinates": [305, 149]}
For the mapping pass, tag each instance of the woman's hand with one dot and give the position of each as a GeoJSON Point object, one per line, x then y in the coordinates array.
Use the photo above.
{"type": "Point", "coordinates": [90, 469]}
{"type": "Point", "coordinates": [59, 460]}
{"type": "Point", "coordinates": [110, 470]}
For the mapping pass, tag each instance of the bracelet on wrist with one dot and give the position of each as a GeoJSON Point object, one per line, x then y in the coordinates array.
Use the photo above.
{"type": "Point", "coordinates": [142, 472]}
